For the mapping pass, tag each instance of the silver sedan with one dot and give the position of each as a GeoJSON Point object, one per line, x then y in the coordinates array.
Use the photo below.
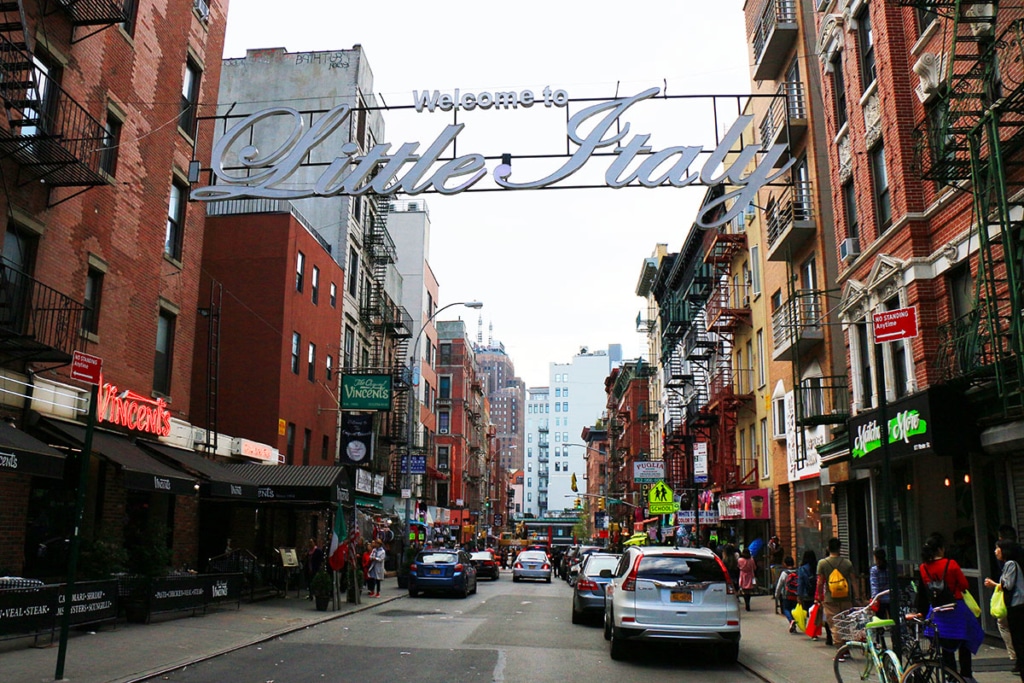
{"type": "Point", "coordinates": [532, 564]}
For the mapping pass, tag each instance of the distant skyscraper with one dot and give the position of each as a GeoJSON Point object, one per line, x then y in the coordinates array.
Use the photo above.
{"type": "Point", "coordinates": [506, 394]}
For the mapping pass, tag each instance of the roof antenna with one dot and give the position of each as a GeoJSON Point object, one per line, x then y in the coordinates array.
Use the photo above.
{"type": "Point", "coordinates": [616, 90]}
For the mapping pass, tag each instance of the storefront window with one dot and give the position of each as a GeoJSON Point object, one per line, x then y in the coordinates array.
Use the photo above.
{"type": "Point", "coordinates": [808, 505]}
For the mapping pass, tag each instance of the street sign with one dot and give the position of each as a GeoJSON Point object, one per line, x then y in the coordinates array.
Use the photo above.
{"type": "Point", "coordinates": [86, 368]}
{"type": "Point", "coordinates": [414, 464]}
{"type": "Point", "coordinates": [660, 500]}
{"type": "Point", "coordinates": [894, 325]}
{"type": "Point", "coordinates": [700, 462]}
{"type": "Point", "coordinates": [648, 471]}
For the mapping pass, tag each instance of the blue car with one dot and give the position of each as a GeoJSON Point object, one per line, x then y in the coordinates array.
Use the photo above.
{"type": "Point", "coordinates": [442, 570]}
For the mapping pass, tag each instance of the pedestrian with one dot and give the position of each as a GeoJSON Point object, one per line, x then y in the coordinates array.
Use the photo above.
{"type": "Point", "coordinates": [786, 591]}
{"type": "Point", "coordinates": [311, 565]}
{"type": "Point", "coordinates": [879, 579]}
{"type": "Point", "coordinates": [364, 562]}
{"type": "Point", "coordinates": [834, 590]}
{"type": "Point", "coordinates": [1008, 533]}
{"type": "Point", "coordinates": [1011, 582]}
{"type": "Point", "coordinates": [807, 579]}
{"type": "Point", "coordinates": [376, 570]}
{"type": "Point", "coordinates": [731, 559]}
{"type": "Point", "coordinates": [747, 568]}
{"type": "Point", "coordinates": [943, 583]}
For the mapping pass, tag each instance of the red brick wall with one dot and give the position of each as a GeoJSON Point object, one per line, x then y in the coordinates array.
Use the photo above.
{"type": "Point", "coordinates": [14, 490]}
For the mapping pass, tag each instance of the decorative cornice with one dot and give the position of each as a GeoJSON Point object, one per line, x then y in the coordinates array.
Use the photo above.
{"type": "Point", "coordinates": [930, 70]}
{"type": "Point", "coordinates": [830, 39]}
{"type": "Point", "coordinates": [872, 120]}
{"type": "Point", "coordinates": [845, 158]}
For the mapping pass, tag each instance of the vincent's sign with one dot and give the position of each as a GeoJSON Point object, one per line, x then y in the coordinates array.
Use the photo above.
{"type": "Point", "coordinates": [270, 174]}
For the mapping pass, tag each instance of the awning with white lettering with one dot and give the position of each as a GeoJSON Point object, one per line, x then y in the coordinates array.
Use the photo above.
{"type": "Point", "coordinates": [215, 480]}
{"type": "Point", "coordinates": [296, 483]}
{"type": "Point", "coordinates": [142, 472]}
{"type": "Point", "coordinates": [21, 452]}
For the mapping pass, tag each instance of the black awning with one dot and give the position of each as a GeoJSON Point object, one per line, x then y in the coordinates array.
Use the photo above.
{"type": "Point", "coordinates": [142, 472]}
{"type": "Point", "coordinates": [296, 483]}
{"type": "Point", "coordinates": [217, 480]}
{"type": "Point", "coordinates": [21, 452]}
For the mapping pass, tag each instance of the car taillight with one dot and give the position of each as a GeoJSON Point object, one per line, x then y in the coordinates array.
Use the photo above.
{"type": "Point", "coordinates": [459, 567]}
{"type": "Point", "coordinates": [414, 568]}
{"type": "Point", "coordinates": [729, 588]}
{"type": "Point", "coordinates": [546, 566]}
{"type": "Point", "coordinates": [586, 585]}
{"type": "Point", "coordinates": [630, 583]}
{"type": "Point", "coordinates": [518, 565]}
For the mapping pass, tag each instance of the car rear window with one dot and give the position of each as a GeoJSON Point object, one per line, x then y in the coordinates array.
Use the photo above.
{"type": "Point", "coordinates": [438, 558]}
{"type": "Point", "coordinates": [679, 568]}
{"type": "Point", "coordinates": [596, 564]}
{"type": "Point", "coordinates": [482, 556]}
{"type": "Point", "coordinates": [533, 556]}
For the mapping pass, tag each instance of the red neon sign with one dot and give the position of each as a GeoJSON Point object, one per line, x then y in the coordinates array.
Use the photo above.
{"type": "Point", "coordinates": [134, 411]}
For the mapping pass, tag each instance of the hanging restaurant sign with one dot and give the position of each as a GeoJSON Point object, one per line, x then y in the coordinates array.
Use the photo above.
{"type": "Point", "coordinates": [131, 410]}
{"type": "Point", "coordinates": [243, 170]}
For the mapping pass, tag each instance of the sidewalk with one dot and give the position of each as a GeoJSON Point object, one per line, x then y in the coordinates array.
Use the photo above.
{"type": "Point", "coordinates": [133, 652]}
{"type": "Point", "coordinates": [773, 654]}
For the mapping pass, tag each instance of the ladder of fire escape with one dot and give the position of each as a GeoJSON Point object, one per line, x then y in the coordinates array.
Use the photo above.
{"type": "Point", "coordinates": [19, 82]}
{"type": "Point", "coordinates": [213, 362]}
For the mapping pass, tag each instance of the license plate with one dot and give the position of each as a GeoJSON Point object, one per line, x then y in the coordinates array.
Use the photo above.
{"type": "Point", "coordinates": [682, 596]}
{"type": "Point", "coordinates": [434, 572]}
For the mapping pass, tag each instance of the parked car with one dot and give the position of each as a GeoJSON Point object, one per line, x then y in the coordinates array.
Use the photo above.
{"type": "Point", "coordinates": [486, 564]}
{"type": "Point", "coordinates": [588, 592]}
{"type": "Point", "coordinates": [442, 570]}
{"type": "Point", "coordinates": [532, 564]}
{"type": "Point", "coordinates": [577, 562]}
{"type": "Point", "coordinates": [660, 593]}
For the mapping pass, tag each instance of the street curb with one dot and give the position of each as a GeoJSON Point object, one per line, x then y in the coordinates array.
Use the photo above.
{"type": "Point", "coordinates": [149, 675]}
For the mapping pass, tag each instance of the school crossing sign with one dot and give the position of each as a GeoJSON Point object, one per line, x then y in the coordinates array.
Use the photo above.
{"type": "Point", "coordinates": [660, 500]}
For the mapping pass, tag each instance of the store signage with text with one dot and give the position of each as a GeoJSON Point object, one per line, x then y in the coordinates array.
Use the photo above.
{"type": "Point", "coordinates": [648, 471]}
{"type": "Point", "coordinates": [134, 411]}
{"type": "Point", "coordinates": [366, 392]}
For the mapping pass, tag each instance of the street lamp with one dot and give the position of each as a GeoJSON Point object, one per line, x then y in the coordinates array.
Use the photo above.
{"type": "Point", "coordinates": [414, 378]}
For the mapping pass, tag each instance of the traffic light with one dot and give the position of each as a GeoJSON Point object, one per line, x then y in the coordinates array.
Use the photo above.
{"type": "Point", "coordinates": [600, 504]}
{"type": "Point", "coordinates": [579, 504]}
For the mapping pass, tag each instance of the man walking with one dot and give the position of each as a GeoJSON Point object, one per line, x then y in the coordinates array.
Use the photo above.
{"type": "Point", "coordinates": [835, 586]}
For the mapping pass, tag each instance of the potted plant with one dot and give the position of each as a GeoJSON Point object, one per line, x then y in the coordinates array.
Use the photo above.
{"type": "Point", "coordinates": [322, 588]}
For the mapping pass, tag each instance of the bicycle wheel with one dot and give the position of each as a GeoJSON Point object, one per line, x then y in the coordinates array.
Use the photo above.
{"type": "Point", "coordinates": [930, 672]}
{"type": "Point", "coordinates": [892, 671]}
{"type": "Point", "coordinates": [853, 663]}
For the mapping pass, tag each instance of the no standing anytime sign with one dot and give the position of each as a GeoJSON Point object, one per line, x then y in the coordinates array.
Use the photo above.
{"type": "Point", "coordinates": [900, 323]}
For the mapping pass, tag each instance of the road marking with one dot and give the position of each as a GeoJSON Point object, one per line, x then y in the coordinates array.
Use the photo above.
{"type": "Point", "coordinates": [499, 668]}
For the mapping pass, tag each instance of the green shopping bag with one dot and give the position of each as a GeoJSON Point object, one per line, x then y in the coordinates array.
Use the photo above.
{"type": "Point", "coordinates": [800, 616]}
{"type": "Point", "coordinates": [997, 606]}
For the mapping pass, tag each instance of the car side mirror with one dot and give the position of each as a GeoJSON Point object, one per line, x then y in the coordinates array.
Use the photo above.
{"type": "Point", "coordinates": [605, 574]}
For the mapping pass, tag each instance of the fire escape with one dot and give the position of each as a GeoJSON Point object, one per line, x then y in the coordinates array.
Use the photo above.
{"type": "Point", "coordinates": [391, 329]}
{"type": "Point", "coordinates": [54, 141]}
{"type": "Point", "coordinates": [727, 311]}
{"type": "Point", "coordinates": [976, 135]}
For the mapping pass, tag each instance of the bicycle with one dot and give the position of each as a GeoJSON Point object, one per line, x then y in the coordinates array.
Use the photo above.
{"type": "Point", "coordinates": [862, 655]}
{"type": "Point", "coordinates": [926, 665]}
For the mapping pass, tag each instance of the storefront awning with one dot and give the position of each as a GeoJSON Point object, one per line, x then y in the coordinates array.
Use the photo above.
{"type": "Point", "coordinates": [21, 452]}
{"type": "Point", "coordinates": [142, 472]}
{"type": "Point", "coordinates": [216, 480]}
{"type": "Point", "coordinates": [369, 502]}
{"type": "Point", "coordinates": [296, 483]}
{"type": "Point", "coordinates": [931, 422]}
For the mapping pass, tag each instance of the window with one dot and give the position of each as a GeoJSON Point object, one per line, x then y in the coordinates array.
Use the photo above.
{"type": "Point", "coordinates": [565, 391]}
{"type": "Point", "coordinates": [353, 272]}
{"type": "Point", "coordinates": [529, 482]}
{"type": "Point", "coordinates": [444, 354]}
{"type": "Point", "coordinates": [558, 407]}
{"type": "Point", "coordinates": [760, 359]}
{"type": "Point", "coordinates": [350, 348]}
{"type": "Point", "coordinates": [289, 436]}
{"type": "Point", "coordinates": [311, 362]}
{"type": "Point", "coordinates": [755, 269]}
{"type": "Point", "coordinates": [766, 461]}
{"type": "Point", "coordinates": [330, 368]}
{"type": "Point", "coordinates": [131, 11]}
{"type": "Point", "coordinates": [325, 447]}
{"type": "Point", "coordinates": [189, 98]}
{"type": "Point", "coordinates": [444, 386]}
{"type": "Point", "coordinates": [307, 437]}
{"type": "Point", "coordinates": [850, 209]}
{"type": "Point", "coordinates": [111, 143]}
{"type": "Point", "coordinates": [93, 297]}
{"type": "Point", "coordinates": [175, 220]}
{"type": "Point", "coordinates": [334, 295]}
{"type": "Point", "coordinates": [880, 184]}
{"type": "Point", "coordinates": [779, 416]}
{"type": "Point", "coordinates": [925, 14]}
{"type": "Point", "coordinates": [444, 421]}
{"type": "Point", "coordinates": [162, 362]}
{"type": "Point", "coordinates": [864, 388]}
{"type": "Point", "coordinates": [897, 351]}
{"type": "Point", "coordinates": [48, 73]}
{"type": "Point", "coordinates": [565, 406]}
{"type": "Point", "coordinates": [839, 90]}
{"type": "Point", "coordinates": [558, 392]}
{"type": "Point", "coordinates": [442, 457]}
{"type": "Point", "coordinates": [809, 283]}
{"type": "Point", "coordinates": [314, 285]}
{"type": "Point", "coordinates": [866, 45]}
{"type": "Point", "coordinates": [558, 436]}
{"type": "Point", "coordinates": [300, 270]}
{"type": "Point", "coordinates": [296, 344]}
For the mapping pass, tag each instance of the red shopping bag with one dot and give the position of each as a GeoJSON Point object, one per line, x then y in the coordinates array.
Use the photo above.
{"type": "Point", "coordinates": [813, 628]}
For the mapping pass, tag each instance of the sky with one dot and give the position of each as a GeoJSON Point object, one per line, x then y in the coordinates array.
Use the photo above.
{"type": "Point", "coordinates": [556, 269]}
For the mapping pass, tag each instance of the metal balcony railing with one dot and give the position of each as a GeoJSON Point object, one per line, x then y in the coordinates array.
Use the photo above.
{"type": "Point", "coordinates": [823, 400]}
{"type": "Point", "coordinates": [729, 383]}
{"type": "Point", "coordinates": [797, 320]}
{"type": "Point", "coordinates": [728, 305]}
{"type": "Point", "coordinates": [47, 131]}
{"type": "Point", "coordinates": [795, 206]}
{"type": "Point", "coordinates": [774, 34]}
{"type": "Point", "coordinates": [98, 12]}
{"type": "Point", "coordinates": [789, 105]}
{"type": "Point", "coordinates": [36, 322]}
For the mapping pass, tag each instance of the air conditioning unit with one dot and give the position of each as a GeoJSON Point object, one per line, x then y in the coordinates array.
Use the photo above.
{"type": "Point", "coordinates": [849, 248]}
{"type": "Point", "coordinates": [442, 465]}
{"type": "Point", "coordinates": [442, 430]}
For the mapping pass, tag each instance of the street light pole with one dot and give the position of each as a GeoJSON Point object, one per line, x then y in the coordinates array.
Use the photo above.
{"type": "Point", "coordinates": [414, 380]}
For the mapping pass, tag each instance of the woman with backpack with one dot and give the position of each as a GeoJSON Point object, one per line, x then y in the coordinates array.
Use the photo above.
{"type": "Point", "coordinates": [786, 589]}
{"type": "Point", "coordinates": [943, 583]}
{"type": "Point", "coordinates": [1012, 584]}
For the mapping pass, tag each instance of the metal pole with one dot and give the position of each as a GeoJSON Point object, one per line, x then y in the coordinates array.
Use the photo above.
{"type": "Point", "coordinates": [887, 492]}
{"type": "Point", "coordinates": [76, 535]}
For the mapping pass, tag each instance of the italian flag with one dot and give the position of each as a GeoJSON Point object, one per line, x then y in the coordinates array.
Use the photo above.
{"type": "Point", "coordinates": [339, 541]}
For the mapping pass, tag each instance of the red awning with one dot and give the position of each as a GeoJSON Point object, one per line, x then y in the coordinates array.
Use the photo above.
{"type": "Point", "coordinates": [435, 473]}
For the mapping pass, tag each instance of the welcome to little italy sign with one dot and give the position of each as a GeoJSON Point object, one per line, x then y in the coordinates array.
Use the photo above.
{"type": "Point", "coordinates": [599, 132]}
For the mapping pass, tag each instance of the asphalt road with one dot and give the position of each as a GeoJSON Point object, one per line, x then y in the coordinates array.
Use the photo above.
{"type": "Point", "coordinates": [508, 632]}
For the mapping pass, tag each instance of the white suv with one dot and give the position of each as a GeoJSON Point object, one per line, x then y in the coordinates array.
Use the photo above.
{"type": "Point", "coordinates": [664, 593]}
